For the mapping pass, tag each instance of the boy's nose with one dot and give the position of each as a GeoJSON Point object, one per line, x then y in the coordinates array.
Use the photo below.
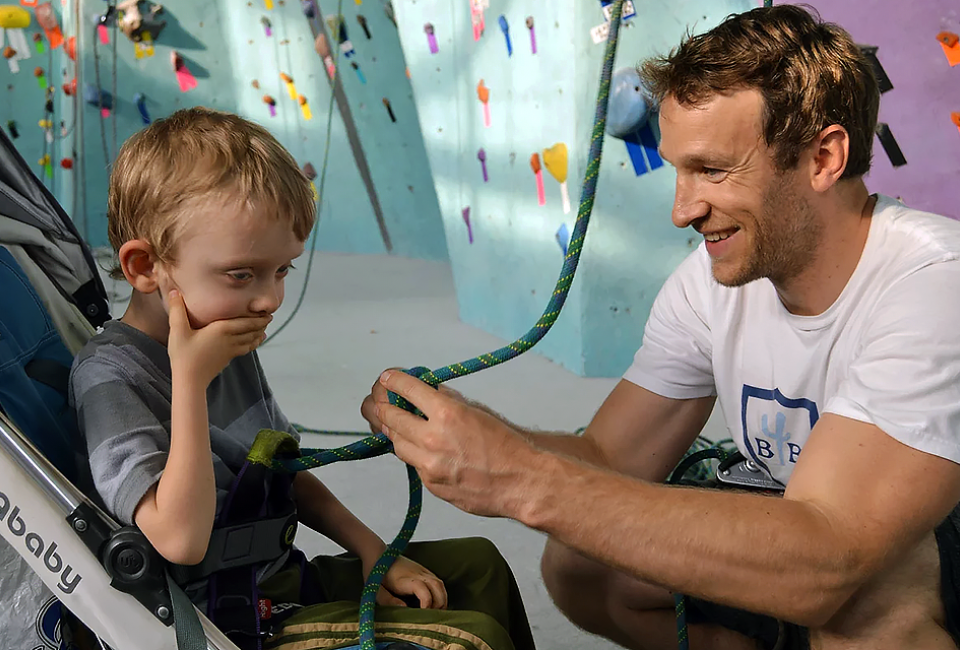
{"type": "Point", "coordinates": [267, 301]}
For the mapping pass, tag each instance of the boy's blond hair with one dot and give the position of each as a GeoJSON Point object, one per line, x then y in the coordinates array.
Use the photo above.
{"type": "Point", "coordinates": [193, 157]}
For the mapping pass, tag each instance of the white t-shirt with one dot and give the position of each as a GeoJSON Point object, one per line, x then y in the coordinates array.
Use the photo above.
{"type": "Point", "coordinates": [887, 352]}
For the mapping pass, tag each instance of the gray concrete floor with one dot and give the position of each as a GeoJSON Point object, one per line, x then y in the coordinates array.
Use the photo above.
{"type": "Point", "coordinates": [363, 314]}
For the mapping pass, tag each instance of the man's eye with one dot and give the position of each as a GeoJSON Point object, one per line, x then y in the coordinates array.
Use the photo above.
{"type": "Point", "coordinates": [712, 172]}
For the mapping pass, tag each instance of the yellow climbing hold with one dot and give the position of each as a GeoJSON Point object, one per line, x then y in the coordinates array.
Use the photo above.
{"type": "Point", "coordinates": [555, 160]}
{"type": "Point", "coordinates": [14, 17]}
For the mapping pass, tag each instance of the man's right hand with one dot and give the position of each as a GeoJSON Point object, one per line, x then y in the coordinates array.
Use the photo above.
{"type": "Point", "coordinates": [378, 392]}
{"type": "Point", "coordinates": [202, 354]}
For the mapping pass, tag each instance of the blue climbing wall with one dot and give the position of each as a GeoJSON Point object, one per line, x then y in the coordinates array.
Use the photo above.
{"type": "Point", "coordinates": [226, 48]}
{"type": "Point", "coordinates": [505, 276]}
{"type": "Point", "coordinates": [24, 97]}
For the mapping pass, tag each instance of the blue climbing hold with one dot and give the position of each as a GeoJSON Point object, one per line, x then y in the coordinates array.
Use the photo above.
{"type": "Point", "coordinates": [630, 104]}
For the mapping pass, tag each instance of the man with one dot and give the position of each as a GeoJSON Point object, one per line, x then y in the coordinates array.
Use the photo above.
{"type": "Point", "coordinates": [810, 314]}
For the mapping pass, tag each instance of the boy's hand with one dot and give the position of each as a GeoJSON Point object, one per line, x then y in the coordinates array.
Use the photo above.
{"type": "Point", "coordinates": [407, 578]}
{"type": "Point", "coordinates": [368, 409]}
{"type": "Point", "coordinates": [203, 353]}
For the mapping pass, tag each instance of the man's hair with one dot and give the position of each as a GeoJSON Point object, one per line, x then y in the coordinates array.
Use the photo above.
{"type": "Point", "coordinates": [194, 157]}
{"type": "Point", "coordinates": [810, 73]}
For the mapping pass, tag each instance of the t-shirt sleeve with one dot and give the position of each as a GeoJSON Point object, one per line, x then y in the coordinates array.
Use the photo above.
{"type": "Point", "coordinates": [675, 356]}
{"type": "Point", "coordinates": [904, 379]}
{"type": "Point", "coordinates": [127, 444]}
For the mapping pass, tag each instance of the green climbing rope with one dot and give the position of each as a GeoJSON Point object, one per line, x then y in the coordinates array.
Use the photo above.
{"type": "Point", "coordinates": [379, 444]}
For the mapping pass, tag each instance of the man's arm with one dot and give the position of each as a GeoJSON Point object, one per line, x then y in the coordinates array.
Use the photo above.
{"type": "Point", "coordinates": [635, 432]}
{"type": "Point", "coordinates": [857, 501]}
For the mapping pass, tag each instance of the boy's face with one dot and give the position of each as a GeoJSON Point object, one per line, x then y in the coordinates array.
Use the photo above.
{"type": "Point", "coordinates": [230, 263]}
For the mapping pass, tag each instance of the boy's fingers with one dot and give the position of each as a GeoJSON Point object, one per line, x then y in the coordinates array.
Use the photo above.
{"type": "Point", "coordinates": [423, 594]}
{"type": "Point", "coordinates": [439, 592]}
{"type": "Point", "coordinates": [384, 597]}
{"type": "Point", "coordinates": [178, 310]}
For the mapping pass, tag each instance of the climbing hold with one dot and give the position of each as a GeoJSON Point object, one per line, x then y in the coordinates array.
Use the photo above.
{"type": "Point", "coordinates": [555, 160]}
{"type": "Point", "coordinates": [533, 35]}
{"type": "Point", "coordinates": [95, 97]}
{"type": "Point", "coordinates": [482, 157]}
{"type": "Point", "coordinates": [483, 94]}
{"type": "Point", "coordinates": [67, 163]}
{"type": "Point", "coordinates": [538, 172]}
{"type": "Point", "coordinates": [948, 38]}
{"type": "Point", "coordinates": [12, 128]}
{"type": "Point", "coordinates": [272, 103]}
{"type": "Point", "coordinates": [309, 8]}
{"type": "Point", "coordinates": [505, 28]}
{"type": "Point", "coordinates": [629, 107]}
{"type": "Point", "coordinates": [356, 67]}
{"type": "Point", "coordinates": [363, 24]}
{"type": "Point", "coordinates": [431, 38]}
{"type": "Point", "coordinates": [12, 17]}
{"type": "Point", "coordinates": [386, 103]}
{"type": "Point", "coordinates": [141, 103]}
{"type": "Point", "coordinates": [288, 80]}
{"type": "Point", "coordinates": [267, 27]}
{"type": "Point", "coordinates": [310, 172]}
{"type": "Point", "coordinates": [305, 107]}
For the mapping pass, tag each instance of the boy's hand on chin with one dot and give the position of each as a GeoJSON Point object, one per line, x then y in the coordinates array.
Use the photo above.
{"type": "Point", "coordinates": [203, 353]}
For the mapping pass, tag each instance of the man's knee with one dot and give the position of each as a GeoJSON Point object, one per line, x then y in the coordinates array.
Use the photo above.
{"type": "Point", "coordinates": [592, 594]}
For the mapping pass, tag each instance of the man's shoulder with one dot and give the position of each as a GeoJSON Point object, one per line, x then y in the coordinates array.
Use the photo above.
{"type": "Point", "coordinates": [913, 236]}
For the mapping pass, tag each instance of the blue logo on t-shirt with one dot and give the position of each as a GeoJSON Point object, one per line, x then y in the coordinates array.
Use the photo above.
{"type": "Point", "coordinates": [775, 427]}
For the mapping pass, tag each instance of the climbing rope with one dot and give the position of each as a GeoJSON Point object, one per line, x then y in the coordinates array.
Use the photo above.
{"type": "Point", "coordinates": [378, 445]}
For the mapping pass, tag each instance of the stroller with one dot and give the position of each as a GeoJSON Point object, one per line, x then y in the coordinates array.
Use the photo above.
{"type": "Point", "coordinates": [70, 576]}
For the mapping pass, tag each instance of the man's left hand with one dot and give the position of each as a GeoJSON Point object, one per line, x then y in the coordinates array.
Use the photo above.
{"type": "Point", "coordinates": [463, 455]}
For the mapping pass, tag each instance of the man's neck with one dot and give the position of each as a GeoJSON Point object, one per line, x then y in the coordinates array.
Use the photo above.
{"type": "Point", "coordinates": [845, 225]}
{"type": "Point", "coordinates": [145, 313]}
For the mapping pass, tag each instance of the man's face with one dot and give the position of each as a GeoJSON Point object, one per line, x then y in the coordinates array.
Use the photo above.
{"type": "Point", "coordinates": [230, 263]}
{"type": "Point", "coordinates": [757, 221]}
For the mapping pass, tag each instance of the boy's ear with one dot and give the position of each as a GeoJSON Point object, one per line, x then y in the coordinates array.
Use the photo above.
{"type": "Point", "coordinates": [140, 265]}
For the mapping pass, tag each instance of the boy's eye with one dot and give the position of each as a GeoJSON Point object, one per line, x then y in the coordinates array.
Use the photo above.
{"type": "Point", "coordinates": [283, 270]}
{"type": "Point", "coordinates": [240, 276]}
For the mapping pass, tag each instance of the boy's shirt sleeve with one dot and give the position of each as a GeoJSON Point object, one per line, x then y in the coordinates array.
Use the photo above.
{"type": "Point", "coordinates": [126, 442]}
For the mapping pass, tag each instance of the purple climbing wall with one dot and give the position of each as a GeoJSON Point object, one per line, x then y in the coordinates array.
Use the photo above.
{"type": "Point", "coordinates": [926, 89]}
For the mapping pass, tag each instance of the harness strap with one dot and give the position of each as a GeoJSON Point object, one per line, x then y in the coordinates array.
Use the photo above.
{"type": "Point", "coordinates": [252, 542]}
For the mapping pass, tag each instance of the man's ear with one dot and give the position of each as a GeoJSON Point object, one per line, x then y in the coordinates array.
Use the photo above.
{"type": "Point", "coordinates": [140, 265]}
{"type": "Point", "coordinates": [831, 153]}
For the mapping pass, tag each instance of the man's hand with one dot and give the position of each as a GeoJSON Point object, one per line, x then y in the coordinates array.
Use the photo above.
{"type": "Point", "coordinates": [203, 353]}
{"type": "Point", "coordinates": [463, 454]}
{"type": "Point", "coordinates": [407, 578]}
{"type": "Point", "coordinates": [368, 409]}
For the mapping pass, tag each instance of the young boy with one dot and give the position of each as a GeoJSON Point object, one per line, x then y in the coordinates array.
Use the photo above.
{"type": "Point", "coordinates": [206, 213]}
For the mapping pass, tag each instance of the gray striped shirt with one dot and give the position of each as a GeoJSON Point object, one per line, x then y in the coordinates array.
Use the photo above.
{"type": "Point", "coordinates": [120, 387]}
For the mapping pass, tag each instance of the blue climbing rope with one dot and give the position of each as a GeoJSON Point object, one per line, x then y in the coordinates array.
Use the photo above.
{"type": "Point", "coordinates": [379, 444]}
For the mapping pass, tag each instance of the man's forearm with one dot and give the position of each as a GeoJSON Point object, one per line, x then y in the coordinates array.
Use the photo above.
{"type": "Point", "coordinates": [558, 442]}
{"type": "Point", "coordinates": [762, 554]}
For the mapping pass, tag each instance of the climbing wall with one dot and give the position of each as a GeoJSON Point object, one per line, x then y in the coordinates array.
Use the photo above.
{"type": "Point", "coordinates": [507, 258]}
{"type": "Point", "coordinates": [258, 59]}
{"type": "Point", "coordinates": [33, 60]}
{"type": "Point", "coordinates": [922, 105]}
{"type": "Point", "coordinates": [506, 249]}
